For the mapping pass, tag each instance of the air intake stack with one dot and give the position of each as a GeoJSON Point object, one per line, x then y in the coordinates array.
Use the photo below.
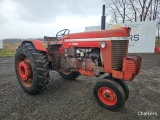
{"type": "Point", "coordinates": [103, 18]}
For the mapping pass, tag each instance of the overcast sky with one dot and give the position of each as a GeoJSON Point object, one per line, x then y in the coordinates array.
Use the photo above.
{"type": "Point", "coordinates": [36, 18]}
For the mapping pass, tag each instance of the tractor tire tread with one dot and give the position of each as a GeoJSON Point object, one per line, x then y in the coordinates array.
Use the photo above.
{"type": "Point", "coordinates": [39, 67]}
{"type": "Point", "coordinates": [37, 54]}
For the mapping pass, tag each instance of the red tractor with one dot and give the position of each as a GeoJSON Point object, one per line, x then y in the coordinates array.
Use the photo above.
{"type": "Point", "coordinates": [88, 53]}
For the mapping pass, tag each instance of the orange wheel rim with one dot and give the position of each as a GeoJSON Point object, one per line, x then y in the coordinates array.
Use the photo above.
{"type": "Point", "coordinates": [25, 71]}
{"type": "Point", "coordinates": [107, 96]}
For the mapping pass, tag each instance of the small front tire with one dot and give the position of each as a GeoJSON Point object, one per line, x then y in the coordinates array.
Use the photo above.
{"type": "Point", "coordinates": [110, 95]}
{"type": "Point", "coordinates": [124, 86]}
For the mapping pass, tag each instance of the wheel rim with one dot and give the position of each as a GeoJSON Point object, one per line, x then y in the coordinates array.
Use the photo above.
{"type": "Point", "coordinates": [25, 70]}
{"type": "Point", "coordinates": [107, 96]}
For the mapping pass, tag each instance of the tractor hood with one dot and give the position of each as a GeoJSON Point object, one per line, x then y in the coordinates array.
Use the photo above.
{"type": "Point", "coordinates": [115, 32]}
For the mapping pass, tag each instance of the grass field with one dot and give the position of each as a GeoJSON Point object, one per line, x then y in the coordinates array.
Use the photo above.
{"type": "Point", "coordinates": [158, 42]}
{"type": "Point", "coordinates": [9, 49]}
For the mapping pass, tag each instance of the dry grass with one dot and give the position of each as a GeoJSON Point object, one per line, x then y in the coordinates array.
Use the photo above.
{"type": "Point", "coordinates": [9, 49]}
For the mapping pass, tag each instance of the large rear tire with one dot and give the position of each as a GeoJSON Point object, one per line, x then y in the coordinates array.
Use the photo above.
{"type": "Point", "coordinates": [31, 68]}
{"type": "Point", "coordinates": [110, 95]}
{"type": "Point", "coordinates": [69, 75]}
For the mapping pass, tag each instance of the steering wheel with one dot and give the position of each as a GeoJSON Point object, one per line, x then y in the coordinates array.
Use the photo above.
{"type": "Point", "coordinates": [62, 33]}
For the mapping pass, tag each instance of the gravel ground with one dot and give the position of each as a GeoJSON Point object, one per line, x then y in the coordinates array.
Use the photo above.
{"type": "Point", "coordinates": [70, 100]}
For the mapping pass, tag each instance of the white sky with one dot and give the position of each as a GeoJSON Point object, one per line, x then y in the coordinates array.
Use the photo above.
{"type": "Point", "coordinates": [36, 18]}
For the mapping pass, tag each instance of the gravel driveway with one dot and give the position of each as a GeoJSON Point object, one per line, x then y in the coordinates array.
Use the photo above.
{"type": "Point", "coordinates": [70, 100]}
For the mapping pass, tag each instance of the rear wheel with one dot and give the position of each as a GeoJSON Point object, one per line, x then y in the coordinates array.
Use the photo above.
{"type": "Point", "coordinates": [31, 68]}
{"type": "Point", "coordinates": [110, 95]}
{"type": "Point", "coordinates": [69, 75]}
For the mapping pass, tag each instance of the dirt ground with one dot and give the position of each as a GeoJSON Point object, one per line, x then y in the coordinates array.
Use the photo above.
{"type": "Point", "coordinates": [70, 100]}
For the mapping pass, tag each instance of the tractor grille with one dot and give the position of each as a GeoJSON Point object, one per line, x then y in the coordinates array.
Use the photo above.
{"type": "Point", "coordinates": [119, 49]}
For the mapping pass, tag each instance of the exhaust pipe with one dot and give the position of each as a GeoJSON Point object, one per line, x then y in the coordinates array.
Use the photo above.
{"type": "Point", "coordinates": [103, 18]}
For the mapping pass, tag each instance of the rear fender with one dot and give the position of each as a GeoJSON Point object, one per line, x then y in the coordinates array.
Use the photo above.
{"type": "Point", "coordinates": [37, 44]}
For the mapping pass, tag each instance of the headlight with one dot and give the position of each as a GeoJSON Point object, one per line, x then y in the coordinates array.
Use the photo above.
{"type": "Point", "coordinates": [103, 44]}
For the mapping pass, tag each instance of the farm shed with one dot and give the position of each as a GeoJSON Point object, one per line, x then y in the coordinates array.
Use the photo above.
{"type": "Point", "coordinates": [1, 44]}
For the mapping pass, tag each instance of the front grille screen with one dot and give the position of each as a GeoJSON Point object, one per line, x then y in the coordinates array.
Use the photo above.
{"type": "Point", "coordinates": [119, 49]}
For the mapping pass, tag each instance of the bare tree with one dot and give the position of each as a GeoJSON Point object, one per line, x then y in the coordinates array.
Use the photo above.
{"type": "Point", "coordinates": [133, 10]}
{"type": "Point", "coordinates": [118, 9]}
{"type": "Point", "coordinates": [156, 11]}
{"type": "Point", "coordinates": [147, 9]}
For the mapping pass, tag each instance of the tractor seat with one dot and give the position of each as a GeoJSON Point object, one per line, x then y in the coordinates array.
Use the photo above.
{"type": "Point", "coordinates": [50, 38]}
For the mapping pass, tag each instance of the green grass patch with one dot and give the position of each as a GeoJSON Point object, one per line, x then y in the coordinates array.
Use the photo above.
{"type": "Point", "coordinates": [157, 42]}
{"type": "Point", "coordinates": [7, 52]}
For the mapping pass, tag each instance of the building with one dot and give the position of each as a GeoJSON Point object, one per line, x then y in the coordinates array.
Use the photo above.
{"type": "Point", "coordinates": [1, 44]}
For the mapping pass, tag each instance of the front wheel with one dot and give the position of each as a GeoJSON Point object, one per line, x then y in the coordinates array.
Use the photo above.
{"type": "Point", "coordinates": [110, 95]}
{"type": "Point", "coordinates": [124, 86]}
